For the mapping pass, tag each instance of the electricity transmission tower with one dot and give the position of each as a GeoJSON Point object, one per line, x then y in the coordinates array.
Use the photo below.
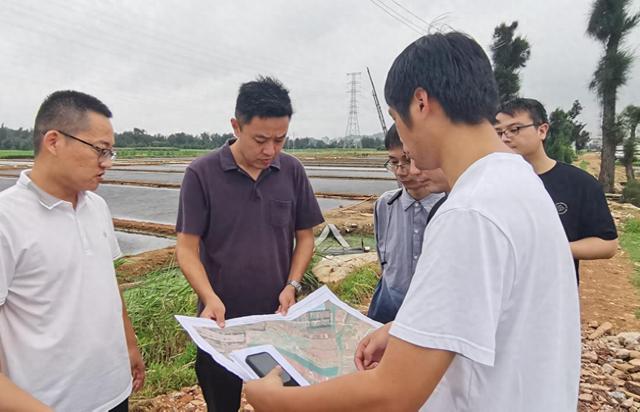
{"type": "Point", "coordinates": [353, 128]}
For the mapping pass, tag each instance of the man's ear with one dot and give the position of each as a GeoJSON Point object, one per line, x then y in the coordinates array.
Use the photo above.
{"type": "Point", "coordinates": [543, 130]}
{"type": "Point", "coordinates": [51, 141]}
{"type": "Point", "coordinates": [237, 127]}
{"type": "Point", "coordinates": [421, 102]}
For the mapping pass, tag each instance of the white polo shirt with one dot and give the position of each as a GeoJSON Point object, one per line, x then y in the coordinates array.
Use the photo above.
{"type": "Point", "coordinates": [61, 330]}
{"type": "Point", "coordinates": [496, 285]}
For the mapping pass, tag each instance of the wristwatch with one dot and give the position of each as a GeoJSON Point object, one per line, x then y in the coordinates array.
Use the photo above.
{"type": "Point", "coordinates": [296, 285]}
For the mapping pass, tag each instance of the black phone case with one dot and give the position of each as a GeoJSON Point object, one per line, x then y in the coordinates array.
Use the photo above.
{"type": "Point", "coordinates": [287, 380]}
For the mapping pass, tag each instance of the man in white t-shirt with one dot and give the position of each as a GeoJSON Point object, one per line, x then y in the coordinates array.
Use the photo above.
{"type": "Point", "coordinates": [66, 342]}
{"type": "Point", "coordinates": [490, 321]}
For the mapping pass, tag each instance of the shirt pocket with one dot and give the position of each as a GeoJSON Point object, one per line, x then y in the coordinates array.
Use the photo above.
{"type": "Point", "coordinates": [280, 212]}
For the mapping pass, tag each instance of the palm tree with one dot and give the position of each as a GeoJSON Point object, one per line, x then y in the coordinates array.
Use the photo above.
{"type": "Point", "coordinates": [609, 23]}
{"type": "Point", "coordinates": [630, 119]}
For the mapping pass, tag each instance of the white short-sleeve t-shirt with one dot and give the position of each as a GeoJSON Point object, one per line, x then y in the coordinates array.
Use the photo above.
{"type": "Point", "coordinates": [61, 330]}
{"type": "Point", "coordinates": [496, 285]}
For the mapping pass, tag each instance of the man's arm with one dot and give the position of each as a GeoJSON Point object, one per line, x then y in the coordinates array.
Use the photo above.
{"type": "Point", "coordinates": [14, 399]}
{"type": "Point", "coordinates": [302, 255]}
{"type": "Point", "coordinates": [135, 358]}
{"type": "Point", "coordinates": [405, 378]}
{"type": "Point", "coordinates": [188, 255]}
{"type": "Point", "coordinates": [591, 248]}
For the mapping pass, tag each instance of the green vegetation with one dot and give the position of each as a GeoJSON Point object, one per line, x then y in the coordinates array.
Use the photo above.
{"type": "Point", "coordinates": [176, 152]}
{"type": "Point", "coordinates": [631, 192]}
{"type": "Point", "coordinates": [356, 288]}
{"type": "Point", "coordinates": [509, 53]}
{"type": "Point", "coordinates": [584, 165]}
{"type": "Point", "coordinates": [630, 241]}
{"type": "Point", "coordinates": [16, 154]}
{"type": "Point", "coordinates": [348, 152]}
{"type": "Point", "coordinates": [22, 139]}
{"type": "Point", "coordinates": [167, 350]}
{"type": "Point", "coordinates": [163, 152]}
{"type": "Point", "coordinates": [610, 23]}
{"type": "Point", "coordinates": [564, 131]}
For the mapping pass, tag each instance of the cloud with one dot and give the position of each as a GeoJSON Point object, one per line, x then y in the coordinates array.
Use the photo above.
{"type": "Point", "coordinates": [176, 66]}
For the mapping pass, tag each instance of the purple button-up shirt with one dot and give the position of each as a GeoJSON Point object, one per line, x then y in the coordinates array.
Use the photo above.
{"type": "Point", "coordinates": [247, 228]}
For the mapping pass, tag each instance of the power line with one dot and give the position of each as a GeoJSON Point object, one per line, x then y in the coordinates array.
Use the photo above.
{"type": "Point", "coordinates": [385, 8]}
{"type": "Point", "coordinates": [428, 26]}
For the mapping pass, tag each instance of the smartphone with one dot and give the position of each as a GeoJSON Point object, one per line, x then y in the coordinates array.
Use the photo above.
{"type": "Point", "coordinates": [262, 363]}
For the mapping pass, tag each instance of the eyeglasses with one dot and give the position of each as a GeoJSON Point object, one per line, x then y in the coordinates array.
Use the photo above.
{"type": "Point", "coordinates": [103, 153]}
{"type": "Point", "coordinates": [513, 130]}
{"type": "Point", "coordinates": [392, 165]}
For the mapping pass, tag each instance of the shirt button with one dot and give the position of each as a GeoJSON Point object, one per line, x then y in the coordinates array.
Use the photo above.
{"type": "Point", "coordinates": [416, 205]}
{"type": "Point", "coordinates": [415, 257]}
{"type": "Point", "coordinates": [415, 230]}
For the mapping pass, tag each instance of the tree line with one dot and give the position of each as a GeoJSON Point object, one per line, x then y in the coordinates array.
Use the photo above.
{"type": "Point", "coordinates": [22, 139]}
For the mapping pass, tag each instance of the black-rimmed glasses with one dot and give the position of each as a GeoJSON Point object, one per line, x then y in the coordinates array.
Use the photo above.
{"type": "Point", "coordinates": [513, 130]}
{"type": "Point", "coordinates": [392, 165]}
{"type": "Point", "coordinates": [103, 153]}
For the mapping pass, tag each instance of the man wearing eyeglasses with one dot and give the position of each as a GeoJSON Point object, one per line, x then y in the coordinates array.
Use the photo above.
{"type": "Point", "coordinates": [400, 219]}
{"type": "Point", "coordinates": [522, 124]}
{"type": "Point", "coordinates": [66, 342]}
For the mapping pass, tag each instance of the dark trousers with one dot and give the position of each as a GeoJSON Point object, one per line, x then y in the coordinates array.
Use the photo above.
{"type": "Point", "coordinates": [222, 389]}
{"type": "Point", "coordinates": [123, 407]}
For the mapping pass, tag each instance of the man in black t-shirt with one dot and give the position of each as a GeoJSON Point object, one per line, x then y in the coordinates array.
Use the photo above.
{"type": "Point", "coordinates": [522, 124]}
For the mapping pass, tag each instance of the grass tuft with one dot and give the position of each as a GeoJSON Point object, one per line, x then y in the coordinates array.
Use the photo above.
{"type": "Point", "coordinates": [167, 350]}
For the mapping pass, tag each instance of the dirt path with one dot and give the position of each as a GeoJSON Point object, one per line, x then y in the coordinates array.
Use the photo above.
{"type": "Point", "coordinates": [606, 293]}
{"type": "Point", "coordinates": [606, 290]}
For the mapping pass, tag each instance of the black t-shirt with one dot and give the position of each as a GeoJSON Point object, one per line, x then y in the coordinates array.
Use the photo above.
{"type": "Point", "coordinates": [580, 203]}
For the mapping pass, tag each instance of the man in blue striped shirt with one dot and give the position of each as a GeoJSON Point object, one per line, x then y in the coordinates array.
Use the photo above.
{"type": "Point", "coordinates": [400, 219]}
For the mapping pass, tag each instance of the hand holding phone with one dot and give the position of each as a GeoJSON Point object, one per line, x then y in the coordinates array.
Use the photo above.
{"type": "Point", "coordinates": [262, 363]}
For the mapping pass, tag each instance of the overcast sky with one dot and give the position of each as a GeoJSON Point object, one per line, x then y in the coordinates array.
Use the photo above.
{"type": "Point", "coordinates": [168, 66]}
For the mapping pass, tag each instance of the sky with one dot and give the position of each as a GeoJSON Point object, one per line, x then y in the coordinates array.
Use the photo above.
{"type": "Point", "coordinates": [170, 66]}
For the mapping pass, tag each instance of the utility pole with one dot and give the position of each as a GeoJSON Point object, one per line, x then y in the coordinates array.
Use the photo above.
{"type": "Point", "coordinates": [377, 102]}
{"type": "Point", "coordinates": [353, 128]}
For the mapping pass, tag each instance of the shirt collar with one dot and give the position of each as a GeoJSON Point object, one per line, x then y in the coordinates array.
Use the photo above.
{"type": "Point", "coordinates": [407, 201]}
{"type": "Point", "coordinates": [229, 163]}
{"type": "Point", "coordinates": [46, 199]}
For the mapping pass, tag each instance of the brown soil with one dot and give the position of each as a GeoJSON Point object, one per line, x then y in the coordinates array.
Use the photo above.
{"type": "Point", "coordinates": [144, 263]}
{"type": "Point", "coordinates": [593, 167]}
{"type": "Point", "coordinates": [356, 218]}
{"type": "Point", "coordinates": [606, 290]}
{"type": "Point", "coordinates": [145, 228]}
{"type": "Point", "coordinates": [607, 294]}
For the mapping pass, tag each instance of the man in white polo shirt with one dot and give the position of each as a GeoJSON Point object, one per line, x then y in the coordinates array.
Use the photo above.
{"type": "Point", "coordinates": [66, 342]}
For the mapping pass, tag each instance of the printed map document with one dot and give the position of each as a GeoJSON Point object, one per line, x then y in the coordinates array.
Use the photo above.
{"type": "Point", "coordinates": [314, 342]}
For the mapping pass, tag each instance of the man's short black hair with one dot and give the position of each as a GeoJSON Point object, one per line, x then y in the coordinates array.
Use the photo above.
{"type": "Point", "coordinates": [534, 108]}
{"type": "Point", "coordinates": [65, 110]}
{"type": "Point", "coordinates": [453, 69]}
{"type": "Point", "coordinates": [264, 97]}
{"type": "Point", "coordinates": [392, 139]}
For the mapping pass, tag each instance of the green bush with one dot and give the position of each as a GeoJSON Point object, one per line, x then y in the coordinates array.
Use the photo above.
{"type": "Point", "coordinates": [167, 350]}
{"type": "Point", "coordinates": [356, 288]}
{"type": "Point", "coordinates": [631, 193]}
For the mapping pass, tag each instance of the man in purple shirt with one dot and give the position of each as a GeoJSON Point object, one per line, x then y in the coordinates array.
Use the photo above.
{"type": "Point", "coordinates": [241, 208]}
